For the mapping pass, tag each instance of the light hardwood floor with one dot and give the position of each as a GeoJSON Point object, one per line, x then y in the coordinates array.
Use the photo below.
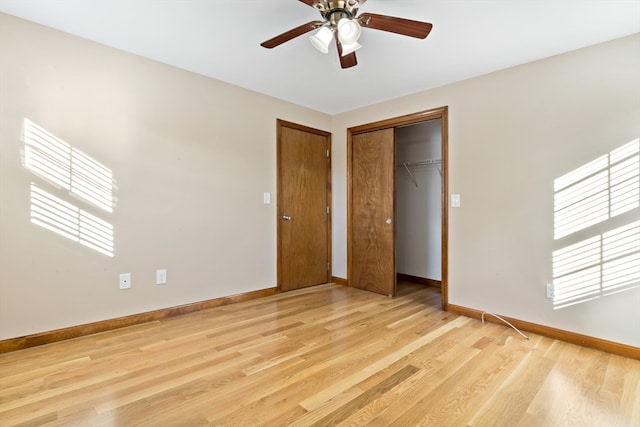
{"type": "Point", "coordinates": [327, 355]}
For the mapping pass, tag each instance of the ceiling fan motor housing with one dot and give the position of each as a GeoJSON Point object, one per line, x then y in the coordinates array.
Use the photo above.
{"type": "Point", "coordinates": [334, 10]}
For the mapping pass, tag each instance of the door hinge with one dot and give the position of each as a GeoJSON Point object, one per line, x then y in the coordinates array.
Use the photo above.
{"type": "Point", "coordinates": [327, 154]}
{"type": "Point", "coordinates": [327, 210]}
{"type": "Point", "coordinates": [328, 267]}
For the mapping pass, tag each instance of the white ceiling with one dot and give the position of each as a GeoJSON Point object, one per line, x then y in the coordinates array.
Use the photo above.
{"type": "Point", "coordinates": [221, 39]}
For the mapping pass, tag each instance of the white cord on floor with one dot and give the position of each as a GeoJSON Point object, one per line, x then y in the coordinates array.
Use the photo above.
{"type": "Point", "coordinates": [514, 328]}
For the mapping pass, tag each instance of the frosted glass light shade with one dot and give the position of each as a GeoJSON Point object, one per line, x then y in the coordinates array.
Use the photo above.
{"type": "Point", "coordinates": [321, 39]}
{"type": "Point", "coordinates": [349, 48]}
{"type": "Point", "coordinates": [348, 31]}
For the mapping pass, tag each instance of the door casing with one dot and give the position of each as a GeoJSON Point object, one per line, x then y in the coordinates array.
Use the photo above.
{"type": "Point", "coordinates": [409, 119]}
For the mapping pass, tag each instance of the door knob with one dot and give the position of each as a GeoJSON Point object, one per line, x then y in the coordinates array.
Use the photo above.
{"type": "Point", "coordinates": [388, 221]}
{"type": "Point", "coordinates": [286, 217]}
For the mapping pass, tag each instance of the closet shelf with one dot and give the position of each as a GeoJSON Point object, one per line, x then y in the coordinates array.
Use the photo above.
{"type": "Point", "coordinates": [425, 162]}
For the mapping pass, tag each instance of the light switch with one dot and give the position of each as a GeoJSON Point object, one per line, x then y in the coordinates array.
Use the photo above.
{"type": "Point", "coordinates": [161, 277]}
{"type": "Point", "coordinates": [455, 200]}
{"type": "Point", "coordinates": [267, 198]}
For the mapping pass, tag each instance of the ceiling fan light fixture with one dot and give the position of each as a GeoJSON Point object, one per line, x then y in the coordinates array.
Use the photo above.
{"type": "Point", "coordinates": [340, 20]}
{"type": "Point", "coordinates": [321, 39]}
{"type": "Point", "coordinates": [348, 31]}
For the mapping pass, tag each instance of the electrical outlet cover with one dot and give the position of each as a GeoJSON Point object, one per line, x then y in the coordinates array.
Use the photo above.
{"type": "Point", "coordinates": [125, 281]}
{"type": "Point", "coordinates": [550, 290]}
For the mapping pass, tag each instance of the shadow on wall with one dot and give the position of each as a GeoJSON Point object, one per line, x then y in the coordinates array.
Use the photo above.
{"type": "Point", "coordinates": [67, 171]}
{"type": "Point", "coordinates": [596, 225]}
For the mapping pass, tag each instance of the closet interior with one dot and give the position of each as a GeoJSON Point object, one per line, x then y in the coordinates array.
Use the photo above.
{"type": "Point", "coordinates": [418, 203]}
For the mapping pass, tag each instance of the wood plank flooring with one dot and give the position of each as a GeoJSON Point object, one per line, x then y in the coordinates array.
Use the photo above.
{"type": "Point", "coordinates": [327, 355]}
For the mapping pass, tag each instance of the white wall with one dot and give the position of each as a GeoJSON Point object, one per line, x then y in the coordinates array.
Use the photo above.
{"type": "Point", "coordinates": [511, 134]}
{"type": "Point", "coordinates": [190, 157]}
{"type": "Point", "coordinates": [418, 204]}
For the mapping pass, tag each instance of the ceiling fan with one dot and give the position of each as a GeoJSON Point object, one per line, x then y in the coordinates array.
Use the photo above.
{"type": "Point", "coordinates": [340, 21]}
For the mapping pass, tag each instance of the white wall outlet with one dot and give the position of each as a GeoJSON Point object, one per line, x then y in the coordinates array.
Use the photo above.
{"type": "Point", "coordinates": [550, 290]}
{"type": "Point", "coordinates": [125, 281]}
{"type": "Point", "coordinates": [266, 198]}
{"type": "Point", "coordinates": [161, 277]}
{"type": "Point", "coordinates": [455, 200]}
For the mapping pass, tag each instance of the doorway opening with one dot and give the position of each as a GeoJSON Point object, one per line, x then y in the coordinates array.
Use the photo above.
{"type": "Point", "coordinates": [418, 203]}
{"type": "Point", "coordinates": [382, 164]}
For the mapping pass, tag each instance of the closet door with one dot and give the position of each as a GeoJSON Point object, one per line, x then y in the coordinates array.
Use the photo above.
{"type": "Point", "coordinates": [372, 255]}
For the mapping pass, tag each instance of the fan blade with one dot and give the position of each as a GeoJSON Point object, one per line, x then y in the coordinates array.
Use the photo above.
{"type": "Point", "coordinates": [291, 34]}
{"type": "Point", "coordinates": [405, 27]}
{"type": "Point", "coordinates": [346, 61]}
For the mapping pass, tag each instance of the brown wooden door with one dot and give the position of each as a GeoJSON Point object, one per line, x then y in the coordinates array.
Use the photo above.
{"type": "Point", "coordinates": [303, 206]}
{"type": "Point", "coordinates": [372, 256]}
